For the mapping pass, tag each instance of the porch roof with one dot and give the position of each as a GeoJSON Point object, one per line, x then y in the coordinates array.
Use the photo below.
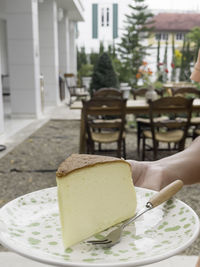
{"type": "Point", "coordinates": [74, 8]}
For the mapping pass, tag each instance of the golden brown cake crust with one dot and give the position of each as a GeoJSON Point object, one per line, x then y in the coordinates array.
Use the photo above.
{"type": "Point", "coordinates": [79, 161]}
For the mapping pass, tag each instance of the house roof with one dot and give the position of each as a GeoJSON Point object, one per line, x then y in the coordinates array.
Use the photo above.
{"type": "Point", "coordinates": [182, 22]}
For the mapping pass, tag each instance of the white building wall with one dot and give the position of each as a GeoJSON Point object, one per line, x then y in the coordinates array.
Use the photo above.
{"type": "Point", "coordinates": [2, 40]}
{"type": "Point", "coordinates": [49, 65]}
{"type": "Point", "coordinates": [20, 52]}
{"type": "Point", "coordinates": [2, 9]}
{"type": "Point", "coordinates": [23, 51]}
{"type": "Point", "coordinates": [63, 44]}
{"type": "Point", "coordinates": [104, 33]}
{"type": "Point", "coordinates": [3, 47]}
{"type": "Point", "coordinates": [1, 105]}
{"type": "Point", "coordinates": [4, 56]}
{"type": "Point", "coordinates": [72, 47]}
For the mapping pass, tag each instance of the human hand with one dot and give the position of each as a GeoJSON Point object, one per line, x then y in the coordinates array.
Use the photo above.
{"type": "Point", "coordinates": [198, 263]}
{"type": "Point", "coordinates": [148, 174]}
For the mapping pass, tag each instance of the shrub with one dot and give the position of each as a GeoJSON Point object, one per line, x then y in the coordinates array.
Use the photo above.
{"type": "Point", "coordinates": [104, 74]}
{"type": "Point", "coordinates": [86, 70]}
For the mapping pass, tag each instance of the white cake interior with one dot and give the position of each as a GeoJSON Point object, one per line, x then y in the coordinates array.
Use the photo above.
{"type": "Point", "coordinates": [94, 198]}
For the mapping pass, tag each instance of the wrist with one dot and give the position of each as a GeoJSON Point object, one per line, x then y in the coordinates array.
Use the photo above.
{"type": "Point", "coordinates": [169, 175]}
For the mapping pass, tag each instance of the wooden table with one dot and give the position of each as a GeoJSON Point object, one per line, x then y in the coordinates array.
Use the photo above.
{"type": "Point", "coordinates": [133, 107]}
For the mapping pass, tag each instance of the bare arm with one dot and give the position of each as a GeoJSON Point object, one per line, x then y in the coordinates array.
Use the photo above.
{"type": "Point", "coordinates": [155, 175]}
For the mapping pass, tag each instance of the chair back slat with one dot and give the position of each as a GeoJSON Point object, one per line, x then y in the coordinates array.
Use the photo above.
{"type": "Point", "coordinates": [103, 107]}
{"type": "Point", "coordinates": [70, 79]}
{"type": "Point", "coordinates": [169, 105]}
{"type": "Point", "coordinates": [106, 125]}
{"type": "Point", "coordinates": [74, 90]}
{"type": "Point", "coordinates": [185, 91]}
{"type": "Point", "coordinates": [108, 93]}
{"type": "Point", "coordinates": [103, 116]}
{"type": "Point", "coordinates": [171, 124]}
{"type": "Point", "coordinates": [173, 129]}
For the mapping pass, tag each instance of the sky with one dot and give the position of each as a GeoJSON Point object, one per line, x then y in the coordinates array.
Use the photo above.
{"type": "Point", "coordinates": [174, 4]}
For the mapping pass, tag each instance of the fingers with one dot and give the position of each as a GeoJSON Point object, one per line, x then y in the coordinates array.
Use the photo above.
{"type": "Point", "coordinates": [198, 263]}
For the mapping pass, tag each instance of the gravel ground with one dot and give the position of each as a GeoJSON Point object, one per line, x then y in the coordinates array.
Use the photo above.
{"type": "Point", "coordinates": [31, 165]}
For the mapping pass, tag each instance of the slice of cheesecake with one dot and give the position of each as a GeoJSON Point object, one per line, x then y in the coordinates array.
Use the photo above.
{"type": "Point", "coordinates": [94, 193]}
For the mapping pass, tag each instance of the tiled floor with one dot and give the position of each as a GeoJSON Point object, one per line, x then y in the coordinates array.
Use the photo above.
{"type": "Point", "coordinates": [16, 130]}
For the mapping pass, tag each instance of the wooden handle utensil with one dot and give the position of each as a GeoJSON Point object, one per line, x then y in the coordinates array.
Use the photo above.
{"type": "Point", "coordinates": [165, 193]}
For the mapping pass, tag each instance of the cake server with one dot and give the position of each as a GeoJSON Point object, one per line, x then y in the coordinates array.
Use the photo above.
{"type": "Point", "coordinates": [164, 194]}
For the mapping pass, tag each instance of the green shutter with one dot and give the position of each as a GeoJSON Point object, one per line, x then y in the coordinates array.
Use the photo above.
{"type": "Point", "coordinates": [94, 21]}
{"type": "Point", "coordinates": [115, 21]}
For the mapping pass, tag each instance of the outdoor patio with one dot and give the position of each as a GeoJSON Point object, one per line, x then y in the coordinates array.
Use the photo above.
{"type": "Point", "coordinates": [31, 165]}
{"type": "Point", "coordinates": [53, 53]}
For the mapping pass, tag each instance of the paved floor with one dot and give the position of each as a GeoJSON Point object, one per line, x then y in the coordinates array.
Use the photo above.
{"type": "Point", "coordinates": [17, 131]}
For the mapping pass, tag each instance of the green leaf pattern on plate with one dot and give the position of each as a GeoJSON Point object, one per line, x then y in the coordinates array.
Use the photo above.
{"type": "Point", "coordinates": [33, 223]}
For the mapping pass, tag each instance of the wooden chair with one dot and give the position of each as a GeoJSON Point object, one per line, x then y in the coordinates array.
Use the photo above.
{"type": "Point", "coordinates": [184, 91]}
{"type": "Point", "coordinates": [75, 91]}
{"type": "Point", "coordinates": [108, 93]}
{"type": "Point", "coordinates": [105, 131]}
{"type": "Point", "coordinates": [196, 133]}
{"type": "Point", "coordinates": [190, 92]}
{"type": "Point", "coordinates": [168, 131]}
{"type": "Point", "coordinates": [142, 121]}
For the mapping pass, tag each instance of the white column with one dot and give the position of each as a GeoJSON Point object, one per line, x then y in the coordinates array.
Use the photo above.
{"type": "Point", "coordinates": [23, 52]}
{"type": "Point", "coordinates": [1, 72]}
{"type": "Point", "coordinates": [3, 47]}
{"type": "Point", "coordinates": [48, 28]}
{"type": "Point", "coordinates": [72, 37]}
{"type": "Point", "coordinates": [68, 45]}
{"type": "Point", "coordinates": [1, 105]}
{"type": "Point", "coordinates": [63, 42]}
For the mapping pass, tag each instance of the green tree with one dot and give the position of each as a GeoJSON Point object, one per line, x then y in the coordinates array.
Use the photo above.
{"type": "Point", "coordinates": [165, 73]}
{"type": "Point", "coordinates": [132, 48]}
{"type": "Point", "coordinates": [101, 48]}
{"type": "Point", "coordinates": [112, 52]}
{"type": "Point", "coordinates": [173, 73]}
{"type": "Point", "coordinates": [188, 59]}
{"type": "Point", "coordinates": [104, 74]}
{"type": "Point", "coordinates": [194, 37]}
{"type": "Point", "coordinates": [182, 69]}
{"type": "Point", "coordinates": [81, 58]}
{"type": "Point", "coordinates": [159, 73]}
{"type": "Point", "coordinates": [93, 58]}
{"type": "Point", "coordinates": [158, 55]}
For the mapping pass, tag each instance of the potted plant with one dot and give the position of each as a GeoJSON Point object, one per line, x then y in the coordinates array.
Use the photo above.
{"type": "Point", "coordinates": [125, 88]}
{"type": "Point", "coordinates": [145, 74]}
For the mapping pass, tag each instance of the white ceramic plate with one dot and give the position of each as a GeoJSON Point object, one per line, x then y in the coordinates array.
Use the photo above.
{"type": "Point", "coordinates": [30, 226]}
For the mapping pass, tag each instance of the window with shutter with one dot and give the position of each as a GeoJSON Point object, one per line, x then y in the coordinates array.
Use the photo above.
{"type": "Point", "coordinates": [115, 21]}
{"type": "Point", "coordinates": [94, 21]}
